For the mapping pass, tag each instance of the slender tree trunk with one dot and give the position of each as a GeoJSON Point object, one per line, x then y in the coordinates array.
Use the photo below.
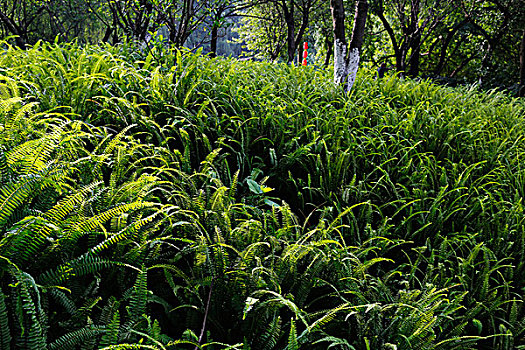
{"type": "Point", "coordinates": [289, 11]}
{"type": "Point", "coordinates": [182, 33]}
{"type": "Point", "coordinates": [214, 39]}
{"type": "Point", "coordinates": [215, 31]}
{"type": "Point", "coordinates": [414, 39]}
{"type": "Point", "coordinates": [107, 34]}
{"type": "Point", "coordinates": [415, 53]}
{"type": "Point", "coordinates": [340, 45]}
{"type": "Point", "coordinates": [522, 66]}
{"type": "Point", "coordinates": [304, 24]}
{"type": "Point", "coordinates": [346, 57]}
{"type": "Point", "coordinates": [397, 52]}
{"type": "Point", "coordinates": [20, 39]}
{"type": "Point", "coordinates": [329, 51]}
{"type": "Point", "coordinates": [443, 54]}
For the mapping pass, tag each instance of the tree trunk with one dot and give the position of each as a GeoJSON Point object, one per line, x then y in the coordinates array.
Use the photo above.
{"type": "Point", "coordinates": [338, 18]}
{"type": "Point", "coordinates": [414, 39]}
{"type": "Point", "coordinates": [522, 66]}
{"type": "Point", "coordinates": [21, 38]}
{"type": "Point", "coordinates": [329, 51]}
{"type": "Point", "coordinates": [304, 24]}
{"type": "Point", "coordinates": [397, 52]}
{"type": "Point", "coordinates": [107, 34]}
{"type": "Point", "coordinates": [290, 29]}
{"type": "Point", "coordinates": [415, 53]}
{"type": "Point", "coordinates": [346, 57]}
{"type": "Point", "coordinates": [214, 38]}
{"type": "Point", "coordinates": [446, 43]}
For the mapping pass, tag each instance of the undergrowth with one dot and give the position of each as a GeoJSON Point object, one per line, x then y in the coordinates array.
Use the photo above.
{"type": "Point", "coordinates": [165, 200]}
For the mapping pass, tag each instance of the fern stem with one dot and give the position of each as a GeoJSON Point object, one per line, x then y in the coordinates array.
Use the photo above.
{"type": "Point", "coordinates": [205, 314]}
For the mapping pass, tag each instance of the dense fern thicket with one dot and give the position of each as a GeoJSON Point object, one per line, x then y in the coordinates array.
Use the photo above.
{"type": "Point", "coordinates": [165, 200]}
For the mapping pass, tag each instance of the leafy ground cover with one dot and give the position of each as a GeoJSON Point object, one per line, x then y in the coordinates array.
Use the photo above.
{"type": "Point", "coordinates": [171, 201]}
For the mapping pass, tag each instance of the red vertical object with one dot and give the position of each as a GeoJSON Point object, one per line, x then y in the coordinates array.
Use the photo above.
{"type": "Point", "coordinates": [305, 53]}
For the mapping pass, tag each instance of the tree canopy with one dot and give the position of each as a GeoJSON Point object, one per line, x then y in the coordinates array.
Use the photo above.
{"type": "Point", "coordinates": [453, 41]}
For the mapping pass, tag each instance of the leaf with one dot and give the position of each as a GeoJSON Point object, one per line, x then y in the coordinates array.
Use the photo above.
{"type": "Point", "coordinates": [250, 302]}
{"type": "Point", "coordinates": [254, 187]}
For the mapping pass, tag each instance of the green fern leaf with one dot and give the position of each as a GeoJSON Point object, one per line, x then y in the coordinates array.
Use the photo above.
{"type": "Point", "coordinates": [292, 338]}
{"type": "Point", "coordinates": [69, 204]}
{"type": "Point", "coordinates": [13, 195]}
{"type": "Point", "coordinates": [30, 316]}
{"type": "Point", "coordinates": [139, 298]}
{"type": "Point", "coordinates": [98, 220]}
{"type": "Point", "coordinates": [112, 331]}
{"type": "Point", "coordinates": [5, 171]}
{"type": "Point", "coordinates": [72, 339]}
{"type": "Point", "coordinates": [5, 334]}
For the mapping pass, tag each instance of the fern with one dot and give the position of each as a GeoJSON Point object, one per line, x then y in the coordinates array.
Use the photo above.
{"type": "Point", "coordinates": [69, 204]}
{"type": "Point", "coordinates": [130, 347]}
{"type": "Point", "coordinates": [5, 334]}
{"type": "Point", "coordinates": [5, 171]}
{"type": "Point", "coordinates": [139, 298]}
{"type": "Point", "coordinates": [98, 220]}
{"type": "Point", "coordinates": [13, 195]}
{"type": "Point", "coordinates": [271, 334]}
{"type": "Point", "coordinates": [292, 338]}
{"type": "Point", "coordinates": [72, 339]}
{"type": "Point", "coordinates": [111, 336]}
{"type": "Point", "coordinates": [33, 333]}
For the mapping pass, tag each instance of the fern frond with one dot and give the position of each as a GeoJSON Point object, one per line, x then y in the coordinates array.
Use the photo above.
{"type": "Point", "coordinates": [63, 299]}
{"type": "Point", "coordinates": [139, 298]}
{"type": "Point", "coordinates": [98, 220]}
{"type": "Point", "coordinates": [85, 265]}
{"type": "Point", "coordinates": [33, 335]}
{"type": "Point", "coordinates": [13, 195]}
{"type": "Point", "coordinates": [129, 230]}
{"type": "Point", "coordinates": [5, 334]}
{"type": "Point", "coordinates": [111, 335]}
{"type": "Point", "coordinates": [70, 203]}
{"type": "Point", "coordinates": [130, 347]}
{"type": "Point", "coordinates": [31, 234]}
{"type": "Point", "coordinates": [72, 339]}
{"type": "Point", "coordinates": [271, 335]}
{"type": "Point", "coordinates": [292, 338]}
{"type": "Point", "coordinates": [5, 171]}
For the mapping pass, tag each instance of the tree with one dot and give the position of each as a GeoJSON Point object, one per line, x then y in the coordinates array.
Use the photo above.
{"type": "Point", "coordinates": [134, 17]}
{"type": "Point", "coordinates": [417, 22]}
{"type": "Point", "coordinates": [18, 16]}
{"type": "Point", "coordinates": [293, 37]}
{"type": "Point", "coordinates": [263, 31]}
{"type": "Point", "coordinates": [182, 17]}
{"type": "Point", "coordinates": [219, 13]}
{"type": "Point", "coordinates": [283, 23]}
{"type": "Point", "coordinates": [346, 58]}
{"type": "Point", "coordinates": [33, 20]}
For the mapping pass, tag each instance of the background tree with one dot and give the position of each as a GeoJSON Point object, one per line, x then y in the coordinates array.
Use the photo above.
{"type": "Point", "coordinates": [220, 11]}
{"type": "Point", "coordinates": [18, 18]}
{"type": "Point", "coordinates": [182, 18]}
{"type": "Point", "coordinates": [134, 17]}
{"type": "Point", "coordinates": [263, 31]}
{"type": "Point", "coordinates": [347, 56]}
{"type": "Point", "coordinates": [296, 14]}
{"type": "Point", "coordinates": [410, 25]}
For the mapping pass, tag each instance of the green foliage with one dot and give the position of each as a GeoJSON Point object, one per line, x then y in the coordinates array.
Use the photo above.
{"type": "Point", "coordinates": [182, 202]}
